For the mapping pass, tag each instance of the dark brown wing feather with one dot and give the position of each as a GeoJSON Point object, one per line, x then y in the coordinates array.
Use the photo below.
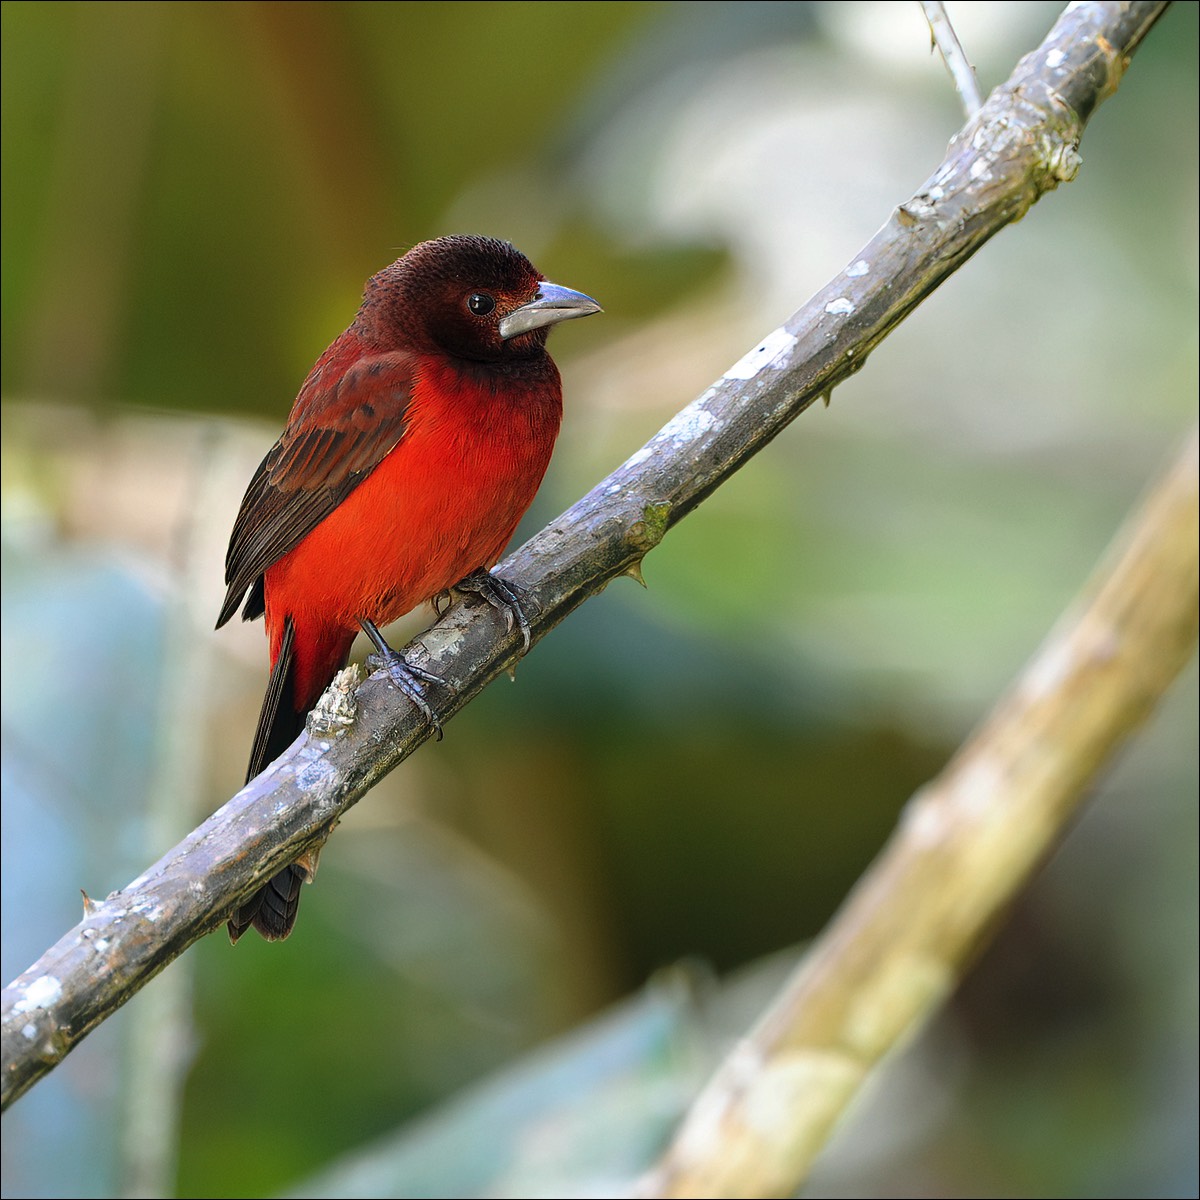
{"type": "Point", "coordinates": [337, 436]}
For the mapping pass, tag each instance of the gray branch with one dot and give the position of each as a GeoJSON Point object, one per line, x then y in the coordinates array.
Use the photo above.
{"type": "Point", "coordinates": [1021, 144]}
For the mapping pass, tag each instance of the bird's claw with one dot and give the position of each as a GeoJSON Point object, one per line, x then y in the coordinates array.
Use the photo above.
{"type": "Point", "coordinates": [407, 677]}
{"type": "Point", "coordinates": [503, 596]}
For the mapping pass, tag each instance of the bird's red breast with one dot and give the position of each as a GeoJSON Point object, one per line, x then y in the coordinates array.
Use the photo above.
{"type": "Point", "coordinates": [443, 501]}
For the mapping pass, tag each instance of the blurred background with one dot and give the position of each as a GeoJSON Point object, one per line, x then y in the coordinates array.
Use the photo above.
{"type": "Point", "coordinates": [529, 944]}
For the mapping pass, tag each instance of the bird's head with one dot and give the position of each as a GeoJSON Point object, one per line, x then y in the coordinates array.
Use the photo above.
{"type": "Point", "coordinates": [475, 298]}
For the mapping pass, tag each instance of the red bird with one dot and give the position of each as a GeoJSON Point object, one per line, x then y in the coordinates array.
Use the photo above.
{"type": "Point", "coordinates": [413, 449]}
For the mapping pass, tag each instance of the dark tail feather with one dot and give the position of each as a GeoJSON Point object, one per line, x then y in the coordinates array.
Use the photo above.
{"type": "Point", "coordinates": [272, 909]}
{"type": "Point", "coordinates": [279, 724]}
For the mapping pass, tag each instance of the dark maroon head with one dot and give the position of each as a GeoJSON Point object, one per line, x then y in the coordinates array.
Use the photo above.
{"type": "Point", "coordinates": [474, 298]}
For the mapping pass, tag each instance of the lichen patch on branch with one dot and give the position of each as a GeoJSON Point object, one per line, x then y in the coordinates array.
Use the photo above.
{"type": "Point", "coordinates": [337, 708]}
{"type": "Point", "coordinates": [766, 354]}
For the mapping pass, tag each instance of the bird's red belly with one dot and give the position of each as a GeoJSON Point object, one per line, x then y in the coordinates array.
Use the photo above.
{"type": "Point", "coordinates": [442, 503]}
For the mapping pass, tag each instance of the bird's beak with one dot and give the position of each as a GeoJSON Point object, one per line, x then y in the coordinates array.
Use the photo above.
{"type": "Point", "coordinates": [551, 305]}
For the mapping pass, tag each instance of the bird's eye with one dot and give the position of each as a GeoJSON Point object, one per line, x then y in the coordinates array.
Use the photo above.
{"type": "Point", "coordinates": [480, 303]}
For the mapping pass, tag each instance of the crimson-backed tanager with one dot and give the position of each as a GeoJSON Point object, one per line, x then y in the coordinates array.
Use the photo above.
{"type": "Point", "coordinates": [416, 444]}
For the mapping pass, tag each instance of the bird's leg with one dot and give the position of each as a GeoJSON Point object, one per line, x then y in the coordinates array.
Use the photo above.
{"type": "Point", "coordinates": [403, 674]}
{"type": "Point", "coordinates": [502, 595]}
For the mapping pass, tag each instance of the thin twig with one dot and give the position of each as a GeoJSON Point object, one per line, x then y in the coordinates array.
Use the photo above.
{"type": "Point", "coordinates": [954, 56]}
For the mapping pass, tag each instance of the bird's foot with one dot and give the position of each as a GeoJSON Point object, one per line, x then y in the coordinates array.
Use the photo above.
{"type": "Point", "coordinates": [406, 677]}
{"type": "Point", "coordinates": [506, 597]}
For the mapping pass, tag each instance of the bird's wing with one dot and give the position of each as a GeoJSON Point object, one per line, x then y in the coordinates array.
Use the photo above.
{"type": "Point", "coordinates": [337, 435]}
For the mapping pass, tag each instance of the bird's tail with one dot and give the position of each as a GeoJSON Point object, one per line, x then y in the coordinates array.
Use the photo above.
{"type": "Point", "coordinates": [272, 909]}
